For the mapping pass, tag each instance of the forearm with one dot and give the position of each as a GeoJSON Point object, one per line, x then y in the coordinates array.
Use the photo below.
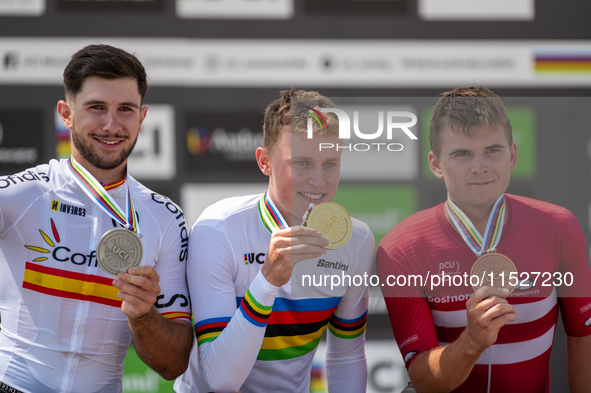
{"type": "Point", "coordinates": [346, 367]}
{"type": "Point", "coordinates": [578, 363]}
{"type": "Point", "coordinates": [164, 345]}
{"type": "Point", "coordinates": [444, 368]}
{"type": "Point", "coordinates": [227, 361]}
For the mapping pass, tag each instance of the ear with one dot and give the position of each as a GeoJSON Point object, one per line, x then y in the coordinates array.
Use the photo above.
{"type": "Point", "coordinates": [513, 156]}
{"type": "Point", "coordinates": [63, 108]}
{"type": "Point", "coordinates": [263, 160]}
{"type": "Point", "coordinates": [143, 113]}
{"type": "Point", "coordinates": [435, 165]}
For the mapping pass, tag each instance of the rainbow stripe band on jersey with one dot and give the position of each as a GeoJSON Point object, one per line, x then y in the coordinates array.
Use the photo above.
{"type": "Point", "coordinates": [209, 329]}
{"type": "Point", "coordinates": [99, 195]}
{"type": "Point", "coordinates": [347, 328]}
{"type": "Point", "coordinates": [253, 311]}
{"type": "Point", "coordinates": [270, 214]}
{"type": "Point", "coordinates": [494, 228]}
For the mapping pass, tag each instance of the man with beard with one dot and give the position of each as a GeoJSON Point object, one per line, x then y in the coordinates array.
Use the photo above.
{"type": "Point", "coordinates": [67, 321]}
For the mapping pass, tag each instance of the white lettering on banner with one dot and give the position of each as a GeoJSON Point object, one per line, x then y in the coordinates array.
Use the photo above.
{"type": "Point", "coordinates": [18, 155]}
{"type": "Point", "coordinates": [1, 134]}
{"type": "Point", "coordinates": [235, 9]}
{"type": "Point", "coordinates": [22, 7]}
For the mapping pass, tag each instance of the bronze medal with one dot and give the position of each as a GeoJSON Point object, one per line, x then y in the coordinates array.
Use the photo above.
{"type": "Point", "coordinates": [333, 221]}
{"type": "Point", "coordinates": [499, 266]}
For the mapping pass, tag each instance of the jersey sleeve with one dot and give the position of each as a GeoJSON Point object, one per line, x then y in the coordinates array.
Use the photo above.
{"type": "Point", "coordinates": [409, 312]}
{"type": "Point", "coordinates": [345, 358]}
{"type": "Point", "coordinates": [173, 300]}
{"type": "Point", "coordinates": [228, 338]}
{"type": "Point", "coordinates": [575, 299]}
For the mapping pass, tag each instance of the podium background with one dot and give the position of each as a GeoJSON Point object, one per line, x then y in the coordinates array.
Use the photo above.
{"type": "Point", "coordinates": [214, 65]}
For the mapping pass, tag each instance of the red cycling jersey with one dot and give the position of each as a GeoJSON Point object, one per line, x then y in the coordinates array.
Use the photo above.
{"type": "Point", "coordinates": [537, 237]}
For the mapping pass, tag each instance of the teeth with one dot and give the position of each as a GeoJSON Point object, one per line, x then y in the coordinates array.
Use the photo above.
{"type": "Point", "coordinates": [311, 196]}
{"type": "Point", "coordinates": [109, 142]}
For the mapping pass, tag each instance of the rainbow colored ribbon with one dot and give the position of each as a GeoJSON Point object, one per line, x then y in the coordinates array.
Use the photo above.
{"type": "Point", "coordinates": [270, 214]}
{"type": "Point", "coordinates": [101, 197]}
{"type": "Point", "coordinates": [494, 227]}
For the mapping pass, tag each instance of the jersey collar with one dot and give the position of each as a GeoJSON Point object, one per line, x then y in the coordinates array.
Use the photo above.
{"type": "Point", "coordinates": [270, 216]}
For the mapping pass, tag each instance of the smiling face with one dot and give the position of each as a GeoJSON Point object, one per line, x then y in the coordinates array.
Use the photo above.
{"type": "Point", "coordinates": [105, 120]}
{"type": "Point", "coordinates": [476, 169]}
{"type": "Point", "coordinates": [300, 173]}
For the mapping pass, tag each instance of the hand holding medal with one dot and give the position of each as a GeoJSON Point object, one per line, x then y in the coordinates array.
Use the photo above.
{"type": "Point", "coordinates": [332, 220]}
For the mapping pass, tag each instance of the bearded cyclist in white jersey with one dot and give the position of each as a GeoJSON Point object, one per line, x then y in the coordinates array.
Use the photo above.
{"type": "Point", "coordinates": [66, 323]}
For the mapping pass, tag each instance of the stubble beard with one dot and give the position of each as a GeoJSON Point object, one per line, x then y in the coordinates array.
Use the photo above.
{"type": "Point", "coordinates": [98, 161]}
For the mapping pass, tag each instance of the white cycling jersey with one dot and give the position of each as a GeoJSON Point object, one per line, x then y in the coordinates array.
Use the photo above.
{"type": "Point", "coordinates": [255, 337]}
{"type": "Point", "coordinates": [62, 325]}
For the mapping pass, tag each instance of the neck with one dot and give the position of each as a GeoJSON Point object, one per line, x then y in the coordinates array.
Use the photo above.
{"type": "Point", "coordinates": [103, 176]}
{"type": "Point", "coordinates": [478, 216]}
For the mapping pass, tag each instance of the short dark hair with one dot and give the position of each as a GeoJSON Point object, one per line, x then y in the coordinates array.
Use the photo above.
{"type": "Point", "coordinates": [464, 110]}
{"type": "Point", "coordinates": [104, 61]}
{"type": "Point", "coordinates": [279, 114]}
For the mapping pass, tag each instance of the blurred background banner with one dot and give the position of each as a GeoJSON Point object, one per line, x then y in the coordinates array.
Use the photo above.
{"type": "Point", "coordinates": [214, 65]}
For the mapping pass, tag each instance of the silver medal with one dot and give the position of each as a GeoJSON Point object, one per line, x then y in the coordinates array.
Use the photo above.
{"type": "Point", "coordinates": [118, 250]}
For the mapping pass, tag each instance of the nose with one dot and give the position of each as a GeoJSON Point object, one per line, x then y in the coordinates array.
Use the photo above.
{"type": "Point", "coordinates": [112, 123]}
{"type": "Point", "coordinates": [479, 165]}
{"type": "Point", "coordinates": [316, 177]}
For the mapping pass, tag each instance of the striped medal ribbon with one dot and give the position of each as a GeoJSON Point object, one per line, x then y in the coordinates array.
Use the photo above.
{"type": "Point", "coordinates": [494, 227]}
{"type": "Point", "coordinates": [270, 214]}
{"type": "Point", "coordinates": [101, 197]}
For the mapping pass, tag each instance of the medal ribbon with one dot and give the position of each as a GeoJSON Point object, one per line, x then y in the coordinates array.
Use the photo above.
{"type": "Point", "coordinates": [494, 227]}
{"type": "Point", "coordinates": [98, 195]}
{"type": "Point", "coordinates": [270, 214]}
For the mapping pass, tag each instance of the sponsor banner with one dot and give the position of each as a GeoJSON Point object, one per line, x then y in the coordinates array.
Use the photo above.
{"type": "Point", "coordinates": [139, 378]}
{"type": "Point", "coordinates": [22, 7]}
{"type": "Point", "coordinates": [511, 10]}
{"type": "Point", "coordinates": [523, 123]}
{"type": "Point", "coordinates": [196, 197]}
{"type": "Point", "coordinates": [235, 9]}
{"type": "Point", "coordinates": [381, 207]}
{"type": "Point", "coordinates": [21, 140]}
{"type": "Point", "coordinates": [154, 157]}
{"type": "Point", "coordinates": [321, 63]}
{"type": "Point", "coordinates": [224, 143]}
{"type": "Point", "coordinates": [111, 5]}
{"type": "Point", "coordinates": [355, 7]}
{"type": "Point", "coordinates": [385, 368]}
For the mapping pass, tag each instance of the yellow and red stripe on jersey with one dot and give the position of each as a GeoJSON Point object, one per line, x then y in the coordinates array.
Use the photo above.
{"type": "Point", "coordinates": [70, 285]}
{"type": "Point", "coordinates": [177, 315]}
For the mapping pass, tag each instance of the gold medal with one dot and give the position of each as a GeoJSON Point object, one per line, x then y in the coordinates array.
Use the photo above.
{"type": "Point", "coordinates": [333, 222]}
{"type": "Point", "coordinates": [497, 265]}
{"type": "Point", "coordinates": [118, 250]}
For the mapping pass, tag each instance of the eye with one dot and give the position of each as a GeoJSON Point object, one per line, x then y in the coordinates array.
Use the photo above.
{"type": "Point", "coordinates": [126, 109]}
{"type": "Point", "coordinates": [330, 165]}
{"type": "Point", "coordinates": [493, 150]}
{"type": "Point", "coordinates": [301, 163]}
{"type": "Point", "coordinates": [461, 154]}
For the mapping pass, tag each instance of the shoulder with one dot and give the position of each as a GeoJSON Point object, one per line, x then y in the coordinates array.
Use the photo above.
{"type": "Point", "coordinates": [159, 206]}
{"type": "Point", "coordinates": [361, 232]}
{"type": "Point", "coordinates": [412, 229]}
{"type": "Point", "coordinates": [229, 211]}
{"type": "Point", "coordinates": [537, 212]}
{"type": "Point", "coordinates": [42, 177]}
